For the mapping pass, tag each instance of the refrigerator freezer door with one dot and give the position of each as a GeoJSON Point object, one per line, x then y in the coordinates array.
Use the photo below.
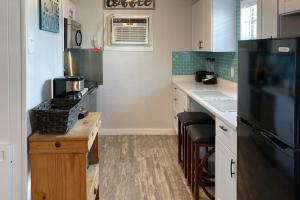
{"type": "Point", "coordinates": [268, 88]}
{"type": "Point", "coordinates": [267, 169]}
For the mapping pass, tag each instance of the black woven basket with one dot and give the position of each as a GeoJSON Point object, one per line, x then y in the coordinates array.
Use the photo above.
{"type": "Point", "coordinates": [56, 116]}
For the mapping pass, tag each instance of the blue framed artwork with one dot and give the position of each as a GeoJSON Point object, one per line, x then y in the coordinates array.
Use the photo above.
{"type": "Point", "coordinates": [49, 15]}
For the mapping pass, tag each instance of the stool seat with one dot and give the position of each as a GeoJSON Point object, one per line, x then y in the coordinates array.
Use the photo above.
{"type": "Point", "coordinates": [202, 133]}
{"type": "Point", "coordinates": [189, 118]}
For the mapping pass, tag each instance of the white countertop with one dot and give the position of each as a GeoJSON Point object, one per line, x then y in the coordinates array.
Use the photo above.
{"type": "Point", "coordinates": [228, 88]}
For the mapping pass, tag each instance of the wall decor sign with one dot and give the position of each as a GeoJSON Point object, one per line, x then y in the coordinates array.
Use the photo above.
{"type": "Point", "coordinates": [49, 15]}
{"type": "Point", "coordinates": [129, 4]}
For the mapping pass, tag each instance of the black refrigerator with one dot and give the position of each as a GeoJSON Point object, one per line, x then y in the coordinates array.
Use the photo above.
{"type": "Point", "coordinates": [268, 119]}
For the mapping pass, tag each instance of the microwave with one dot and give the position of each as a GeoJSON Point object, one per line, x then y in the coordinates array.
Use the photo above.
{"type": "Point", "coordinates": [72, 34]}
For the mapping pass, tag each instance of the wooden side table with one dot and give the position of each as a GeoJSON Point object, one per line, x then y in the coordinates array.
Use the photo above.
{"type": "Point", "coordinates": [66, 167]}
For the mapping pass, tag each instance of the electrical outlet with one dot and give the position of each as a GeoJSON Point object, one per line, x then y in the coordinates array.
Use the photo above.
{"type": "Point", "coordinates": [232, 72]}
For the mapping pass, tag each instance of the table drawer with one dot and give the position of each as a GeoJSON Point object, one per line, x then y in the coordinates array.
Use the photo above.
{"type": "Point", "coordinates": [59, 146]}
{"type": "Point", "coordinates": [227, 136]}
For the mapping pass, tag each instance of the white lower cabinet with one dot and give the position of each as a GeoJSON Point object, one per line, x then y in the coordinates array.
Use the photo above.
{"type": "Point", "coordinates": [226, 157]}
{"type": "Point", "coordinates": [225, 173]}
{"type": "Point", "coordinates": [180, 104]}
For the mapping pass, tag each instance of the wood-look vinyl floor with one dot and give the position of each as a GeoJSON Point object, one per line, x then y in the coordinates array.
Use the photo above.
{"type": "Point", "coordinates": [141, 168]}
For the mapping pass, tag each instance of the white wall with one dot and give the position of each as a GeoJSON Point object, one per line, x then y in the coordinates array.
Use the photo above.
{"type": "Point", "coordinates": [137, 85]}
{"type": "Point", "coordinates": [10, 89]}
{"type": "Point", "coordinates": [44, 61]}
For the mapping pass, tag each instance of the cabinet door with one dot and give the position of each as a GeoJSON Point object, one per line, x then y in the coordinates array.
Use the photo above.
{"type": "Point", "coordinates": [206, 25]}
{"type": "Point", "coordinates": [224, 25]}
{"type": "Point", "coordinates": [269, 19]}
{"type": "Point", "coordinates": [196, 26]}
{"type": "Point", "coordinates": [225, 173]}
{"type": "Point", "coordinates": [201, 25]}
{"type": "Point", "coordinates": [291, 6]}
{"type": "Point", "coordinates": [281, 6]}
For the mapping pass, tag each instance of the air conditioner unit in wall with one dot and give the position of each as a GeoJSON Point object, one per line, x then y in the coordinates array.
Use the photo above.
{"type": "Point", "coordinates": [130, 30]}
{"type": "Point", "coordinates": [125, 32]}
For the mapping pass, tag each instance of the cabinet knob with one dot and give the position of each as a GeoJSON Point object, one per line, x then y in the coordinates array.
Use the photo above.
{"type": "Point", "coordinates": [95, 190]}
{"type": "Point", "coordinates": [57, 144]}
{"type": "Point", "coordinates": [175, 99]}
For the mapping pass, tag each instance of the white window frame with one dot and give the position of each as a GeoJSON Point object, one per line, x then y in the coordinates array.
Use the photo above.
{"type": "Point", "coordinates": [254, 33]}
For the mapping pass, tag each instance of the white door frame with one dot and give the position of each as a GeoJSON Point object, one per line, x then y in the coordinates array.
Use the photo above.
{"type": "Point", "coordinates": [13, 87]}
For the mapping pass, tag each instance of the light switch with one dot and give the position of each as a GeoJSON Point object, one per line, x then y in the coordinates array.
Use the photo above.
{"type": "Point", "coordinates": [31, 45]}
{"type": "Point", "coordinates": [1, 156]}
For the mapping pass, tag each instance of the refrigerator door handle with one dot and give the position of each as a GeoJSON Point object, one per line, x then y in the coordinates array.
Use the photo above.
{"type": "Point", "coordinates": [231, 168]}
{"type": "Point", "coordinates": [274, 141]}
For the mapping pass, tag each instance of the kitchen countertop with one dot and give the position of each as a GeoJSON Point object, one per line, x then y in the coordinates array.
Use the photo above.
{"type": "Point", "coordinates": [227, 88]}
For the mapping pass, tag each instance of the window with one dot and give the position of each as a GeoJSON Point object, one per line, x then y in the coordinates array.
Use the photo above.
{"type": "Point", "coordinates": [248, 19]}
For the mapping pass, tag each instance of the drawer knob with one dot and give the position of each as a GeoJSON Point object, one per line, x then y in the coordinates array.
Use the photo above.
{"type": "Point", "coordinates": [57, 144]}
{"type": "Point", "coordinates": [95, 190]}
{"type": "Point", "coordinates": [223, 128]}
{"type": "Point", "coordinates": [175, 99]}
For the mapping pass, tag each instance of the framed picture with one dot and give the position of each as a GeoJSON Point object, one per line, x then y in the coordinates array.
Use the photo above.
{"type": "Point", "coordinates": [130, 4]}
{"type": "Point", "coordinates": [49, 15]}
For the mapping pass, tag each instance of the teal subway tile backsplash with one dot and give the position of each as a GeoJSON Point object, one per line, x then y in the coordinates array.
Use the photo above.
{"type": "Point", "coordinates": [187, 63]}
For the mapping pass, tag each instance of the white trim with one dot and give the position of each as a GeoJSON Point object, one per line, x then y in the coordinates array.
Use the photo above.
{"type": "Point", "coordinates": [132, 131]}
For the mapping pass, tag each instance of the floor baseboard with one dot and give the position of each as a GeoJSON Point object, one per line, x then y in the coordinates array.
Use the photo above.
{"type": "Point", "coordinates": [137, 131]}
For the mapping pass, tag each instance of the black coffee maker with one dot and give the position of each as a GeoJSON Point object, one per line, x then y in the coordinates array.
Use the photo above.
{"type": "Point", "coordinates": [211, 77]}
{"type": "Point", "coordinates": [68, 87]}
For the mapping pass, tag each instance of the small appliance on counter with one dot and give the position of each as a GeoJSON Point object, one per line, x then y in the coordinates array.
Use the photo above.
{"type": "Point", "coordinates": [71, 87]}
{"type": "Point", "coordinates": [200, 75]}
{"type": "Point", "coordinates": [210, 79]}
{"type": "Point", "coordinates": [72, 34]}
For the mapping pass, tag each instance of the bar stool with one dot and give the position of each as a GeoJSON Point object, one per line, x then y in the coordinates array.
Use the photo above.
{"type": "Point", "coordinates": [199, 136]}
{"type": "Point", "coordinates": [185, 119]}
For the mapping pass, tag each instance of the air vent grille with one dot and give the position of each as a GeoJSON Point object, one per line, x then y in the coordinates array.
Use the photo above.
{"type": "Point", "coordinates": [130, 31]}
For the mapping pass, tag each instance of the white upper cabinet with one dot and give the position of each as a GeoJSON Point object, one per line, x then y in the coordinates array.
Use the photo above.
{"type": "Point", "coordinates": [259, 19]}
{"type": "Point", "coordinates": [267, 19]}
{"type": "Point", "coordinates": [214, 25]}
{"type": "Point", "coordinates": [289, 6]}
{"type": "Point", "coordinates": [69, 9]}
